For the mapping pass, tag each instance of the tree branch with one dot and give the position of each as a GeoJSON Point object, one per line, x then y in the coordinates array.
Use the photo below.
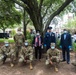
{"type": "Point", "coordinates": [40, 5]}
{"type": "Point", "coordinates": [19, 3]}
{"type": "Point", "coordinates": [45, 12]}
{"type": "Point", "coordinates": [27, 22]}
{"type": "Point", "coordinates": [57, 12]}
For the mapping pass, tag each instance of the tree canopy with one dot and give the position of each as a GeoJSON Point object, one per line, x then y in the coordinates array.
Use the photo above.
{"type": "Point", "coordinates": [9, 16]}
{"type": "Point", "coordinates": [41, 12]}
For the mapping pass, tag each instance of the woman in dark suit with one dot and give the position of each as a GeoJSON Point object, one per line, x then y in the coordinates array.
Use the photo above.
{"type": "Point", "coordinates": [37, 43]}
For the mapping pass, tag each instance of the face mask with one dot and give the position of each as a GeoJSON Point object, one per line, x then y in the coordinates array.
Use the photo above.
{"type": "Point", "coordinates": [26, 44]}
{"type": "Point", "coordinates": [52, 47]}
{"type": "Point", "coordinates": [6, 44]}
{"type": "Point", "coordinates": [38, 33]}
{"type": "Point", "coordinates": [19, 32]}
{"type": "Point", "coordinates": [65, 31]}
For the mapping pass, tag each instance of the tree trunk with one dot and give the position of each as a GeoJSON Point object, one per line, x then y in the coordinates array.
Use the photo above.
{"type": "Point", "coordinates": [3, 30]}
{"type": "Point", "coordinates": [24, 24]}
{"type": "Point", "coordinates": [25, 32]}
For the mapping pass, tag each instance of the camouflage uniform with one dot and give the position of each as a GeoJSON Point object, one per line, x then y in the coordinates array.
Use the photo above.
{"type": "Point", "coordinates": [7, 52]}
{"type": "Point", "coordinates": [26, 53]}
{"type": "Point", "coordinates": [4, 51]}
{"type": "Point", "coordinates": [53, 56]}
{"type": "Point", "coordinates": [12, 54]}
{"type": "Point", "coordinates": [19, 41]}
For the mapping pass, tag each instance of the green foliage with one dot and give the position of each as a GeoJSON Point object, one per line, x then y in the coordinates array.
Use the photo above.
{"type": "Point", "coordinates": [71, 23]}
{"type": "Point", "coordinates": [58, 43]}
{"type": "Point", "coordinates": [8, 14]}
{"type": "Point", "coordinates": [74, 47]}
{"type": "Point", "coordinates": [13, 32]}
{"type": "Point", "coordinates": [9, 40]}
{"type": "Point", "coordinates": [29, 37]}
{"type": "Point", "coordinates": [48, 2]}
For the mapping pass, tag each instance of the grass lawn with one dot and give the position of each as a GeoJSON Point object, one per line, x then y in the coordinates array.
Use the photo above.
{"type": "Point", "coordinates": [12, 41]}
{"type": "Point", "coordinates": [9, 40]}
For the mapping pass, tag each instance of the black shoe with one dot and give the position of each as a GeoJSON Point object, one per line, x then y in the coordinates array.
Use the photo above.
{"type": "Point", "coordinates": [68, 62]}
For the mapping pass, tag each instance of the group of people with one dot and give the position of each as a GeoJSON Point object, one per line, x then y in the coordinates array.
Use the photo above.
{"type": "Point", "coordinates": [50, 44]}
{"type": "Point", "coordinates": [21, 51]}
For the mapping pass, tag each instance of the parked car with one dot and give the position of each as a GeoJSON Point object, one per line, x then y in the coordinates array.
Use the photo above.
{"type": "Point", "coordinates": [4, 35]}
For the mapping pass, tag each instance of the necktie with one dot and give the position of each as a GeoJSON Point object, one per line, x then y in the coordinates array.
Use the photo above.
{"type": "Point", "coordinates": [50, 34]}
{"type": "Point", "coordinates": [64, 36]}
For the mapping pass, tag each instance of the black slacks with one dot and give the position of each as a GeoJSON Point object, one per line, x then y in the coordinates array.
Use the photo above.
{"type": "Point", "coordinates": [66, 54]}
{"type": "Point", "coordinates": [38, 52]}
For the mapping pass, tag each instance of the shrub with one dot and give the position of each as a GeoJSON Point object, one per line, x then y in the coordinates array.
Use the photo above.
{"type": "Point", "coordinates": [74, 47]}
{"type": "Point", "coordinates": [58, 43]}
{"type": "Point", "coordinates": [13, 32]}
{"type": "Point", "coordinates": [28, 35]}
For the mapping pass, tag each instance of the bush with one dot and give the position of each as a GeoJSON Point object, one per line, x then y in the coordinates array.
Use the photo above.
{"type": "Point", "coordinates": [28, 35]}
{"type": "Point", "coordinates": [74, 47]}
{"type": "Point", "coordinates": [13, 32]}
{"type": "Point", "coordinates": [58, 43]}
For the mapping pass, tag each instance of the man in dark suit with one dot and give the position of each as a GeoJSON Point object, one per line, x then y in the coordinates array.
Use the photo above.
{"type": "Point", "coordinates": [49, 38]}
{"type": "Point", "coordinates": [66, 44]}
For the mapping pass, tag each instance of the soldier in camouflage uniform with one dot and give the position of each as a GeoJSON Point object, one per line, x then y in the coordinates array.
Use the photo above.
{"type": "Point", "coordinates": [6, 51]}
{"type": "Point", "coordinates": [53, 56]}
{"type": "Point", "coordinates": [26, 53]}
{"type": "Point", "coordinates": [19, 41]}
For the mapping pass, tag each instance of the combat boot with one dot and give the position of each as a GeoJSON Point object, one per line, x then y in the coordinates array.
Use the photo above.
{"type": "Point", "coordinates": [12, 65]}
{"type": "Point", "coordinates": [4, 59]}
{"type": "Point", "coordinates": [31, 67]}
{"type": "Point", "coordinates": [56, 69]}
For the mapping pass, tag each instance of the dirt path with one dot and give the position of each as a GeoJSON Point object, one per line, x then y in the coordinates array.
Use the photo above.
{"type": "Point", "coordinates": [39, 69]}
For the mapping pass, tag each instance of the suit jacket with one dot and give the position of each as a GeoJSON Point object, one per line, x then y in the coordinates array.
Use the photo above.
{"type": "Point", "coordinates": [52, 38]}
{"type": "Point", "coordinates": [48, 39]}
{"type": "Point", "coordinates": [34, 40]}
{"type": "Point", "coordinates": [66, 42]}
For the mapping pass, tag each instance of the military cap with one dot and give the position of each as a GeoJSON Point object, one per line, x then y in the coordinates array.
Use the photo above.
{"type": "Point", "coordinates": [53, 44]}
{"type": "Point", "coordinates": [26, 40]}
{"type": "Point", "coordinates": [19, 29]}
{"type": "Point", "coordinates": [49, 27]}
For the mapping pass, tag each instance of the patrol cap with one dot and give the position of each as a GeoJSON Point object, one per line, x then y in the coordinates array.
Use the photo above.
{"type": "Point", "coordinates": [19, 29]}
{"type": "Point", "coordinates": [26, 40]}
{"type": "Point", "coordinates": [53, 44]}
